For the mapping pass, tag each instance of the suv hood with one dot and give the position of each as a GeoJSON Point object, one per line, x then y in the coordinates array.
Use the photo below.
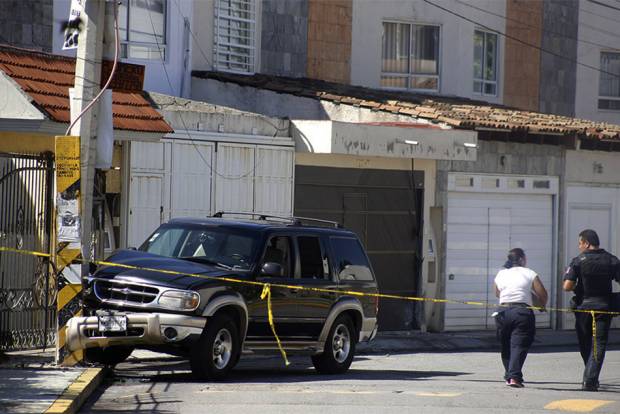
{"type": "Point", "coordinates": [152, 261]}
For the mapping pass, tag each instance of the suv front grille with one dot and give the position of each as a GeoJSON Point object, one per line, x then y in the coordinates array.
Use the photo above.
{"type": "Point", "coordinates": [125, 292]}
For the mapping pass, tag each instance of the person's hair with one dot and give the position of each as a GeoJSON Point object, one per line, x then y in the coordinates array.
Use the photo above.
{"type": "Point", "coordinates": [589, 236]}
{"type": "Point", "coordinates": [516, 257]}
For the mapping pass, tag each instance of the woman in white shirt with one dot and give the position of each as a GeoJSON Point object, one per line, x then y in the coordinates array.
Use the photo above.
{"type": "Point", "coordinates": [517, 286]}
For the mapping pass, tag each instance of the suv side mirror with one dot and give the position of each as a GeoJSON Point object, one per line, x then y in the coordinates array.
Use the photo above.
{"type": "Point", "coordinates": [271, 269]}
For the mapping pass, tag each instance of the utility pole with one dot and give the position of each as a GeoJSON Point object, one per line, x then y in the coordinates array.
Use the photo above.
{"type": "Point", "coordinates": [72, 256]}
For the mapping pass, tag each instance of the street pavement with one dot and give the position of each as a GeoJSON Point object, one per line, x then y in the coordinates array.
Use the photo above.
{"type": "Point", "coordinates": [452, 382]}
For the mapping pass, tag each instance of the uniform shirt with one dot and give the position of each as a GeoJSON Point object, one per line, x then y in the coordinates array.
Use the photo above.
{"type": "Point", "coordinates": [515, 285]}
{"type": "Point", "coordinates": [593, 271]}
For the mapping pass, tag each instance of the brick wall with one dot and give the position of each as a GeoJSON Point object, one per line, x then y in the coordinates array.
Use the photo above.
{"type": "Point", "coordinates": [522, 62]}
{"type": "Point", "coordinates": [27, 23]}
{"type": "Point", "coordinates": [284, 37]}
{"type": "Point", "coordinates": [329, 40]}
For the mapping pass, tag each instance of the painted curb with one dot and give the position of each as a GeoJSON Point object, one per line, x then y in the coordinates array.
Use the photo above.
{"type": "Point", "coordinates": [72, 398]}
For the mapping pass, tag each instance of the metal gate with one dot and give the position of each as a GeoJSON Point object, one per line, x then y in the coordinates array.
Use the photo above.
{"type": "Point", "coordinates": [27, 286]}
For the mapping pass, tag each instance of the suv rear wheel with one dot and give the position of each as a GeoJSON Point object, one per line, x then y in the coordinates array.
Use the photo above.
{"type": "Point", "coordinates": [339, 348]}
{"type": "Point", "coordinates": [218, 349]}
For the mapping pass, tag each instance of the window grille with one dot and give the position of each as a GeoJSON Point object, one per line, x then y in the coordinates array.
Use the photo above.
{"type": "Point", "coordinates": [235, 35]}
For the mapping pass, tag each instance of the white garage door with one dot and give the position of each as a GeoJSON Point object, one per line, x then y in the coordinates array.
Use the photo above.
{"type": "Point", "coordinates": [481, 228]}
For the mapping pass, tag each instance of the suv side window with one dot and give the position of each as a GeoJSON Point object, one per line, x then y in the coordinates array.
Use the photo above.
{"type": "Point", "coordinates": [351, 262]}
{"type": "Point", "coordinates": [313, 264]}
{"type": "Point", "coordinates": [279, 251]}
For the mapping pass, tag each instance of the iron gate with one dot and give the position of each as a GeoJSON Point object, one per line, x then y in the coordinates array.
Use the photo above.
{"type": "Point", "coordinates": [27, 286]}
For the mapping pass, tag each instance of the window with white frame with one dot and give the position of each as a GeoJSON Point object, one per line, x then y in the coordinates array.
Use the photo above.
{"type": "Point", "coordinates": [410, 56]}
{"type": "Point", "coordinates": [235, 35]}
{"type": "Point", "coordinates": [142, 28]}
{"type": "Point", "coordinates": [485, 63]}
{"type": "Point", "coordinates": [609, 83]}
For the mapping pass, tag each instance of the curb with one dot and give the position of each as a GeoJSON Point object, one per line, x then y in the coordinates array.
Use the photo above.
{"type": "Point", "coordinates": [72, 398]}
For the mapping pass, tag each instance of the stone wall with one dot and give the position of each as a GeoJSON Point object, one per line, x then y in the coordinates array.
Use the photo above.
{"type": "Point", "coordinates": [558, 74]}
{"type": "Point", "coordinates": [522, 62]}
{"type": "Point", "coordinates": [284, 37]}
{"type": "Point", "coordinates": [329, 40]}
{"type": "Point", "coordinates": [27, 23]}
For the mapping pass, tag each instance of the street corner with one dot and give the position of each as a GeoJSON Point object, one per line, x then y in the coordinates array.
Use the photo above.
{"type": "Point", "coordinates": [77, 392]}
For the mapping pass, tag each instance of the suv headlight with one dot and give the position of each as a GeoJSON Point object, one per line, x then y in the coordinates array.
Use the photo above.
{"type": "Point", "coordinates": [174, 299]}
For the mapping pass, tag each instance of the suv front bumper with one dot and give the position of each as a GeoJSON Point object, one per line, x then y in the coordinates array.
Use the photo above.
{"type": "Point", "coordinates": [142, 329]}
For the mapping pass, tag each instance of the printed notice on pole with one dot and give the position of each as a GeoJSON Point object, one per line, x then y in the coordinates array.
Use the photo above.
{"type": "Point", "coordinates": [72, 32]}
{"type": "Point", "coordinates": [68, 188]}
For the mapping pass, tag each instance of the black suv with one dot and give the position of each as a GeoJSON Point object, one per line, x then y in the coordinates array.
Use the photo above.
{"type": "Point", "coordinates": [211, 320]}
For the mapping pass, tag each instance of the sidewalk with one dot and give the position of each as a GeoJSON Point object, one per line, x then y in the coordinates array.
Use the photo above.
{"type": "Point", "coordinates": [30, 382]}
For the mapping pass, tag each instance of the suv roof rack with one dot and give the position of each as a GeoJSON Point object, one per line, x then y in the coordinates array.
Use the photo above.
{"type": "Point", "coordinates": [294, 220]}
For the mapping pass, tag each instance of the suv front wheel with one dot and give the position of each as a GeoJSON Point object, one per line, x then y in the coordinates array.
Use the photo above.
{"type": "Point", "coordinates": [218, 349]}
{"type": "Point", "coordinates": [339, 348]}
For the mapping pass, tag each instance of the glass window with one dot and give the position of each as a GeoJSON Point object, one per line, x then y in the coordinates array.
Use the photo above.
{"type": "Point", "coordinates": [279, 251]}
{"type": "Point", "coordinates": [351, 262]}
{"type": "Point", "coordinates": [609, 85]}
{"type": "Point", "coordinates": [235, 34]}
{"type": "Point", "coordinates": [313, 265]}
{"type": "Point", "coordinates": [410, 56]}
{"type": "Point", "coordinates": [142, 27]}
{"type": "Point", "coordinates": [485, 63]}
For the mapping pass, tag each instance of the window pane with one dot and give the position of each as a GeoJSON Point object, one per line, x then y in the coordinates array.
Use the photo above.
{"type": "Point", "coordinates": [489, 88]}
{"type": "Point", "coordinates": [234, 35]}
{"type": "Point", "coordinates": [144, 52]}
{"type": "Point", "coordinates": [396, 42]}
{"type": "Point", "coordinates": [425, 51]}
{"type": "Point", "coordinates": [310, 258]}
{"type": "Point", "coordinates": [478, 52]}
{"type": "Point", "coordinates": [351, 262]}
{"type": "Point", "coordinates": [490, 57]}
{"type": "Point", "coordinates": [123, 15]}
{"type": "Point", "coordinates": [279, 251]}
{"type": "Point", "coordinates": [609, 104]}
{"type": "Point", "coordinates": [477, 87]}
{"type": "Point", "coordinates": [394, 81]}
{"type": "Point", "coordinates": [609, 84]}
{"type": "Point", "coordinates": [424, 82]}
{"type": "Point", "coordinates": [147, 21]}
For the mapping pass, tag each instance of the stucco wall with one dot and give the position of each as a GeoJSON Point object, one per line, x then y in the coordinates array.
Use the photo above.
{"type": "Point", "coordinates": [27, 23]}
{"type": "Point", "coordinates": [558, 73]}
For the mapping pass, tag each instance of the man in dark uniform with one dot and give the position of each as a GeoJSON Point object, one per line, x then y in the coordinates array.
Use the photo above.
{"type": "Point", "coordinates": [589, 276]}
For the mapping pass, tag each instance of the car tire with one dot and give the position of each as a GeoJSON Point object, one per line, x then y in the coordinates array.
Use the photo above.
{"type": "Point", "coordinates": [339, 348]}
{"type": "Point", "coordinates": [109, 356]}
{"type": "Point", "coordinates": [218, 349]}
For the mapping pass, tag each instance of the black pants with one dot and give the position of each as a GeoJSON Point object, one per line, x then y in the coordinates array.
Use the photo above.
{"type": "Point", "coordinates": [516, 329]}
{"type": "Point", "coordinates": [593, 363]}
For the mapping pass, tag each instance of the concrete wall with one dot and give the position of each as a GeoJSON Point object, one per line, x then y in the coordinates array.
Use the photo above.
{"type": "Point", "coordinates": [329, 40]}
{"type": "Point", "coordinates": [284, 37]}
{"type": "Point", "coordinates": [558, 73]}
{"type": "Point", "coordinates": [456, 37]}
{"type": "Point", "coordinates": [157, 79]}
{"type": "Point", "coordinates": [599, 26]}
{"type": "Point", "coordinates": [522, 75]}
{"type": "Point", "coordinates": [27, 23]}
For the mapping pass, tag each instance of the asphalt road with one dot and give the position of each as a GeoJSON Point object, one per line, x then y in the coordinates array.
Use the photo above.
{"type": "Point", "coordinates": [452, 383]}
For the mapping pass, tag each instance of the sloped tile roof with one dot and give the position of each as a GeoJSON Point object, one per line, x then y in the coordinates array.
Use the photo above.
{"type": "Point", "coordinates": [46, 78]}
{"type": "Point", "coordinates": [454, 111]}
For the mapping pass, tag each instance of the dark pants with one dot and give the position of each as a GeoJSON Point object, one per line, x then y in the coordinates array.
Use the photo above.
{"type": "Point", "coordinates": [516, 329]}
{"type": "Point", "coordinates": [593, 363]}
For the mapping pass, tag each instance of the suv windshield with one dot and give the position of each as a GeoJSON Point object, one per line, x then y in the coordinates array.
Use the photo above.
{"type": "Point", "coordinates": [208, 244]}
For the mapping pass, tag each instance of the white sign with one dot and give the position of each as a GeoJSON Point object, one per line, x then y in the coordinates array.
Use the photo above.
{"type": "Point", "coordinates": [72, 32]}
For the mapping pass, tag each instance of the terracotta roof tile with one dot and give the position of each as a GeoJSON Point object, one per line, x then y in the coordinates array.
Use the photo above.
{"type": "Point", "coordinates": [49, 88]}
{"type": "Point", "coordinates": [454, 111]}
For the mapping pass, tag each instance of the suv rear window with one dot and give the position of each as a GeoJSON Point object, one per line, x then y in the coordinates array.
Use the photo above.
{"type": "Point", "coordinates": [351, 262]}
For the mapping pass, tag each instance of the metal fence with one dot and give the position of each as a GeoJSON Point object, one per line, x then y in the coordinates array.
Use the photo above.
{"type": "Point", "coordinates": [27, 284]}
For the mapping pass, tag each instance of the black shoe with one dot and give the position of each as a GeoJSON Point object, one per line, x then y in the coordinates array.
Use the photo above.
{"type": "Point", "coordinates": [589, 387]}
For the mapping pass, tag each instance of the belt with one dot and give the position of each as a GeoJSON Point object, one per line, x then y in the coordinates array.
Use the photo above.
{"type": "Point", "coordinates": [515, 304]}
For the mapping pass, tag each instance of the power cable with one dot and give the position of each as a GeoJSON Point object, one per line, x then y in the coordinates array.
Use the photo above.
{"type": "Point", "coordinates": [604, 5]}
{"type": "Point", "coordinates": [524, 24]}
{"type": "Point", "coordinates": [516, 39]}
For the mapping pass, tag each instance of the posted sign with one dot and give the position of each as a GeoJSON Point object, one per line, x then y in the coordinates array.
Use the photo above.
{"type": "Point", "coordinates": [72, 32]}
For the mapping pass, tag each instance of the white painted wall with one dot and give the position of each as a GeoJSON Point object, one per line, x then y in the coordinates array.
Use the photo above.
{"type": "Point", "coordinates": [456, 37]}
{"type": "Point", "coordinates": [155, 78]}
{"type": "Point", "coordinates": [599, 25]}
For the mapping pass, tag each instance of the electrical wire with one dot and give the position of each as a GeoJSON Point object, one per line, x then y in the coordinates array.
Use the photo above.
{"type": "Point", "coordinates": [524, 24]}
{"type": "Point", "coordinates": [604, 5]}
{"type": "Point", "coordinates": [516, 39]}
{"type": "Point", "coordinates": [116, 39]}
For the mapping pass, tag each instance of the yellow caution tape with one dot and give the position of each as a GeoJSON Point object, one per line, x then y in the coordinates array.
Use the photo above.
{"type": "Point", "coordinates": [594, 335]}
{"type": "Point", "coordinates": [267, 293]}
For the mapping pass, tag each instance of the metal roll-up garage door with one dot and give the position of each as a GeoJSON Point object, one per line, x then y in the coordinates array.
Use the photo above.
{"type": "Point", "coordinates": [481, 228]}
{"type": "Point", "coordinates": [384, 208]}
